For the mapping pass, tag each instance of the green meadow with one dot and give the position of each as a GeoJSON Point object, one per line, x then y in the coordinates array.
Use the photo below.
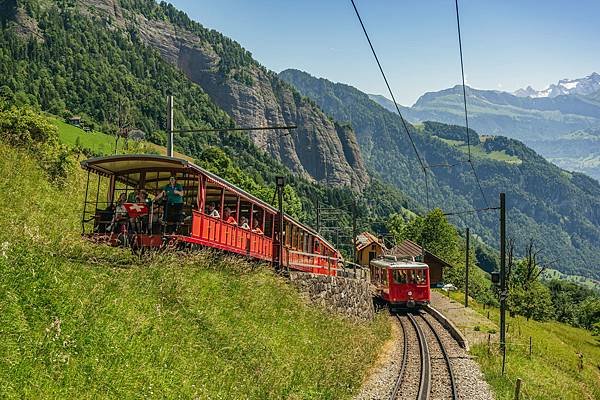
{"type": "Point", "coordinates": [79, 320]}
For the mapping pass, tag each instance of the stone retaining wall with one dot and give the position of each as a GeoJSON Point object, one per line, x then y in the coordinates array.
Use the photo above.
{"type": "Point", "coordinates": [349, 297]}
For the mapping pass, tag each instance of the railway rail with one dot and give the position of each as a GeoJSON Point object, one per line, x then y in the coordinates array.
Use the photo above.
{"type": "Point", "coordinates": [410, 386]}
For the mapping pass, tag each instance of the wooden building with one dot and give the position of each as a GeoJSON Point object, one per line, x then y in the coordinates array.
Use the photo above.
{"type": "Point", "coordinates": [368, 247]}
{"type": "Point", "coordinates": [409, 248]}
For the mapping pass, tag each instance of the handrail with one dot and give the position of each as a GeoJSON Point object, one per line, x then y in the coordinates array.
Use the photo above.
{"type": "Point", "coordinates": [362, 274]}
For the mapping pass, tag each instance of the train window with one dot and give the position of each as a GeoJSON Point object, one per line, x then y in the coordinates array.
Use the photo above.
{"type": "Point", "coordinates": [257, 218]}
{"type": "Point", "coordinates": [295, 238]}
{"type": "Point", "coordinates": [384, 276]}
{"type": "Point", "coordinates": [416, 276]}
{"type": "Point", "coordinates": [375, 274]}
{"type": "Point", "coordinates": [419, 276]}
{"type": "Point", "coordinates": [399, 275]}
{"type": "Point", "coordinates": [288, 235]}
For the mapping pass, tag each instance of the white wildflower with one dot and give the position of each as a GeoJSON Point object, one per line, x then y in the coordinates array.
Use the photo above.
{"type": "Point", "coordinates": [4, 248]}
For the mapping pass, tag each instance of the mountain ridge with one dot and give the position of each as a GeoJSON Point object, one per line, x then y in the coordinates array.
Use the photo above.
{"type": "Point", "coordinates": [582, 86]}
{"type": "Point", "coordinates": [535, 121]}
{"type": "Point", "coordinates": [545, 202]}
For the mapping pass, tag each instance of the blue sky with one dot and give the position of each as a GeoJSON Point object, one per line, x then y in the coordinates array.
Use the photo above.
{"type": "Point", "coordinates": [507, 44]}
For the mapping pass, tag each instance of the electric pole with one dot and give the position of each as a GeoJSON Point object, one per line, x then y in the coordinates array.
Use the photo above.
{"type": "Point", "coordinates": [503, 291]}
{"type": "Point", "coordinates": [170, 126]}
{"type": "Point", "coordinates": [354, 232]}
{"type": "Point", "coordinates": [467, 271]}
{"type": "Point", "coordinates": [280, 183]}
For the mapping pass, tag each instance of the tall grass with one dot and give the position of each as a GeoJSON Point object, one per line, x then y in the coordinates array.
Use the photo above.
{"type": "Point", "coordinates": [85, 321]}
{"type": "Point", "coordinates": [552, 371]}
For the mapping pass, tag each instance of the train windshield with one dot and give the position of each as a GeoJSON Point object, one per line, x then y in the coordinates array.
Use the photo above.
{"type": "Point", "coordinates": [410, 276]}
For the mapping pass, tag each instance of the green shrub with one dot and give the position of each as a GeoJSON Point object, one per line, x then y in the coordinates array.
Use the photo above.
{"type": "Point", "coordinates": [24, 128]}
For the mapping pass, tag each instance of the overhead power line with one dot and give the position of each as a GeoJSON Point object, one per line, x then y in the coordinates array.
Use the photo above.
{"type": "Point", "coordinates": [423, 167]}
{"type": "Point", "coordinates": [462, 71]}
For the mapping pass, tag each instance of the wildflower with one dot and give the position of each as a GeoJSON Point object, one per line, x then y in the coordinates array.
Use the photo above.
{"type": "Point", "coordinates": [4, 248]}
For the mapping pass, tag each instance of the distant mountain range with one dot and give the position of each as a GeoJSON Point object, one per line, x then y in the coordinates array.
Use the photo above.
{"type": "Point", "coordinates": [561, 122]}
{"type": "Point", "coordinates": [582, 86]}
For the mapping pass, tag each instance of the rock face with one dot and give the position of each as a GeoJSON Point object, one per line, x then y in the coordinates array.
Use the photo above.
{"type": "Point", "coordinates": [318, 149]}
{"type": "Point", "coordinates": [349, 297]}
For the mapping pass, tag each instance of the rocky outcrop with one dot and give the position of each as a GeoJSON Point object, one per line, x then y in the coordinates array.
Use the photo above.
{"type": "Point", "coordinates": [318, 149]}
{"type": "Point", "coordinates": [349, 297]}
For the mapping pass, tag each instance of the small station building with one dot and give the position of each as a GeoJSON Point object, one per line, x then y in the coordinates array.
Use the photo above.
{"type": "Point", "coordinates": [368, 247]}
{"type": "Point", "coordinates": [408, 248]}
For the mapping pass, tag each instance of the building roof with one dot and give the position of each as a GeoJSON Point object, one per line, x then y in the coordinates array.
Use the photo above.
{"type": "Point", "coordinates": [365, 239]}
{"type": "Point", "coordinates": [411, 249]}
{"type": "Point", "coordinates": [392, 262]}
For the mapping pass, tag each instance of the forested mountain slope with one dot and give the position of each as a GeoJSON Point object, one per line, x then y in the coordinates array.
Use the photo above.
{"type": "Point", "coordinates": [68, 38]}
{"type": "Point", "coordinates": [560, 210]}
{"type": "Point", "coordinates": [81, 61]}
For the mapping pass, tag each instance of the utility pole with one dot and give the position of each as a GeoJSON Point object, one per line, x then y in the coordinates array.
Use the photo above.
{"type": "Point", "coordinates": [503, 291]}
{"type": "Point", "coordinates": [467, 271]}
{"type": "Point", "coordinates": [318, 217]}
{"type": "Point", "coordinates": [280, 183]}
{"type": "Point", "coordinates": [354, 232]}
{"type": "Point", "coordinates": [170, 126]}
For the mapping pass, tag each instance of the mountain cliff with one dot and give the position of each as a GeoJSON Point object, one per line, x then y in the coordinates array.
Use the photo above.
{"type": "Point", "coordinates": [317, 150]}
{"type": "Point", "coordinates": [558, 209]}
{"type": "Point", "coordinates": [250, 94]}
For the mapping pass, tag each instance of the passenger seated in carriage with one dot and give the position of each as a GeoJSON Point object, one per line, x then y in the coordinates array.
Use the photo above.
{"type": "Point", "coordinates": [134, 196]}
{"type": "Point", "coordinates": [139, 221]}
{"type": "Point", "coordinates": [120, 216]}
{"type": "Point", "coordinates": [244, 223]}
{"type": "Point", "coordinates": [227, 217]}
{"type": "Point", "coordinates": [255, 228]}
{"type": "Point", "coordinates": [212, 211]}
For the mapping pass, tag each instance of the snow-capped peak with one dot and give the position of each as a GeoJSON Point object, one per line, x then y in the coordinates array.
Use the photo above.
{"type": "Point", "coordinates": [582, 86]}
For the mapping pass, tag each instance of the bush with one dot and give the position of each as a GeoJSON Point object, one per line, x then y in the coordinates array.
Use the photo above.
{"type": "Point", "coordinates": [24, 128]}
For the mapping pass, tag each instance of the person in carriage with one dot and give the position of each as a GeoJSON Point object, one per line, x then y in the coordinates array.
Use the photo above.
{"type": "Point", "coordinates": [173, 194]}
{"type": "Point", "coordinates": [120, 216]}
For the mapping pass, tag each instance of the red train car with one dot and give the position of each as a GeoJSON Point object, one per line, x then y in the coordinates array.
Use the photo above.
{"type": "Point", "coordinates": [115, 183]}
{"type": "Point", "coordinates": [401, 282]}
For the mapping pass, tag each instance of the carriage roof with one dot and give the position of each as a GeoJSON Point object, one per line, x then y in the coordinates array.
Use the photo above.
{"type": "Point", "coordinates": [393, 263]}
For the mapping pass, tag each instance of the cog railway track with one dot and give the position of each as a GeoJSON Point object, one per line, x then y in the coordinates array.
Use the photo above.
{"type": "Point", "coordinates": [425, 372]}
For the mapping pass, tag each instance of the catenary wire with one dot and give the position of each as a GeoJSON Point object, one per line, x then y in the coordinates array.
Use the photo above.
{"type": "Point", "coordinates": [462, 70]}
{"type": "Point", "coordinates": [421, 162]}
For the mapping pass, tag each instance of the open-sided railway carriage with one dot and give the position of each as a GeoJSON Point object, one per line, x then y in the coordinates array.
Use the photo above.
{"type": "Point", "coordinates": [401, 282]}
{"type": "Point", "coordinates": [298, 246]}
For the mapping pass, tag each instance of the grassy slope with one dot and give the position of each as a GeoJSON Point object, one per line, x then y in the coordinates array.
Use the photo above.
{"type": "Point", "coordinates": [552, 371]}
{"type": "Point", "coordinates": [101, 143]}
{"type": "Point", "coordinates": [479, 151]}
{"type": "Point", "coordinates": [78, 320]}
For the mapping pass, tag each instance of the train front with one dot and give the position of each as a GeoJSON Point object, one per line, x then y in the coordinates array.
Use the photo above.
{"type": "Point", "coordinates": [409, 284]}
{"type": "Point", "coordinates": [401, 283]}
